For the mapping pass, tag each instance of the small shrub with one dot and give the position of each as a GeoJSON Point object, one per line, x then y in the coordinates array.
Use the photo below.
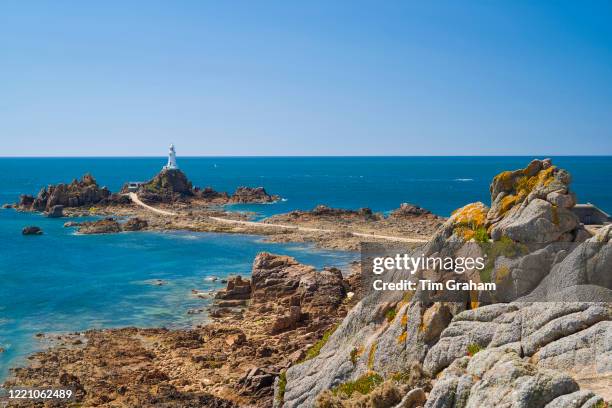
{"type": "Point", "coordinates": [363, 385]}
{"type": "Point", "coordinates": [481, 235]}
{"type": "Point", "coordinates": [390, 314]}
{"type": "Point", "coordinates": [473, 349]}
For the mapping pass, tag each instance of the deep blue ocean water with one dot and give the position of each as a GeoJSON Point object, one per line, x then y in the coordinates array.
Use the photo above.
{"type": "Point", "coordinates": [61, 282]}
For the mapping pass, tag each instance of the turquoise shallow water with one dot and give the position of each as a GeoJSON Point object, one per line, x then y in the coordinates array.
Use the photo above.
{"type": "Point", "coordinates": [62, 282]}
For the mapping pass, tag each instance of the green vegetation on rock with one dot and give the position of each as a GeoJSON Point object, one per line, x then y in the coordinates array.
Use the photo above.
{"type": "Point", "coordinates": [390, 314]}
{"type": "Point", "coordinates": [316, 348]}
{"type": "Point", "coordinates": [363, 385]}
{"type": "Point", "coordinates": [473, 349]}
{"type": "Point", "coordinates": [282, 385]}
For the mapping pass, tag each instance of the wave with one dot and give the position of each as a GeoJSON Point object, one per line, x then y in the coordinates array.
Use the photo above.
{"type": "Point", "coordinates": [463, 179]}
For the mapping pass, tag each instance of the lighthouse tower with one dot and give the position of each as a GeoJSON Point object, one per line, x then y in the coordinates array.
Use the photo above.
{"type": "Point", "coordinates": [171, 159]}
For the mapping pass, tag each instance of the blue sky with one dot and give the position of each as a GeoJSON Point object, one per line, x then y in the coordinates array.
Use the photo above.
{"type": "Point", "coordinates": [305, 78]}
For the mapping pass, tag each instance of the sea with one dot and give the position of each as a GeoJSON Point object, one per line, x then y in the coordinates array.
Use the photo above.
{"type": "Point", "coordinates": [61, 282]}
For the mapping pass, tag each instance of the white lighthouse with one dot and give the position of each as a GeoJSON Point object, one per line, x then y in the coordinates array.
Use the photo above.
{"type": "Point", "coordinates": [171, 159]}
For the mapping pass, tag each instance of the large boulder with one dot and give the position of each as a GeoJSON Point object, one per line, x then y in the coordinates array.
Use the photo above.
{"type": "Point", "coordinates": [533, 205]}
{"type": "Point", "coordinates": [304, 291]}
{"type": "Point", "coordinates": [537, 222]}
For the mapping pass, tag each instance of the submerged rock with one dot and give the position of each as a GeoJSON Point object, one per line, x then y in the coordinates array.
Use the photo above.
{"type": "Point", "coordinates": [32, 230]}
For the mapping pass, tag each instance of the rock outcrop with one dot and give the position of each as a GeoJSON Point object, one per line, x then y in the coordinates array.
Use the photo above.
{"type": "Point", "coordinates": [108, 225]}
{"type": "Point", "coordinates": [57, 211]}
{"type": "Point", "coordinates": [79, 193]}
{"type": "Point", "coordinates": [168, 185]}
{"type": "Point", "coordinates": [31, 230]}
{"type": "Point", "coordinates": [134, 224]}
{"type": "Point", "coordinates": [105, 226]}
{"type": "Point", "coordinates": [516, 354]}
{"type": "Point", "coordinates": [172, 185]}
{"type": "Point", "coordinates": [325, 212]}
{"type": "Point", "coordinates": [252, 195]}
{"type": "Point", "coordinates": [407, 210]}
{"type": "Point", "coordinates": [533, 205]}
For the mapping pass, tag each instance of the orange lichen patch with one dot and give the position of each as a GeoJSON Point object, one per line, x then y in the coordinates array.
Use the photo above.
{"type": "Point", "coordinates": [402, 338]}
{"type": "Point", "coordinates": [470, 218]}
{"type": "Point", "coordinates": [465, 232]}
{"type": "Point", "coordinates": [371, 355]}
{"type": "Point", "coordinates": [522, 187]}
{"type": "Point", "coordinates": [508, 202]}
{"type": "Point", "coordinates": [504, 179]}
{"type": "Point", "coordinates": [405, 319]}
{"type": "Point", "coordinates": [473, 215]}
{"type": "Point", "coordinates": [474, 303]}
{"type": "Point", "coordinates": [526, 185]}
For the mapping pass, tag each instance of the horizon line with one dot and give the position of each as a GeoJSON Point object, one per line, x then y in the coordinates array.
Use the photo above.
{"type": "Point", "coordinates": [298, 156]}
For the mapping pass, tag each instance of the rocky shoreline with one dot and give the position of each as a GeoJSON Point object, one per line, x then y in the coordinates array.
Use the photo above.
{"type": "Point", "coordinates": [259, 328]}
{"type": "Point", "coordinates": [201, 210]}
{"type": "Point", "coordinates": [292, 336]}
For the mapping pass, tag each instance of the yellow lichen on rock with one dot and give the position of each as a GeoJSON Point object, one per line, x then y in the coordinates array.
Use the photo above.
{"type": "Point", "coordinates": [473, 215]}
{"type": "Point", "coordinates": [504, 180]}
{"type": "Point", "coordinates": [469, 219]}
{"type": "Point", "coordinates": [511, 188]}
{"type": "Point", "coordinates": [371, 355]}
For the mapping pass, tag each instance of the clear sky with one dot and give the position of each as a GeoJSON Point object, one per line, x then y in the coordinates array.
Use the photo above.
{"type": "Point", "coordinates": [116, 78]}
